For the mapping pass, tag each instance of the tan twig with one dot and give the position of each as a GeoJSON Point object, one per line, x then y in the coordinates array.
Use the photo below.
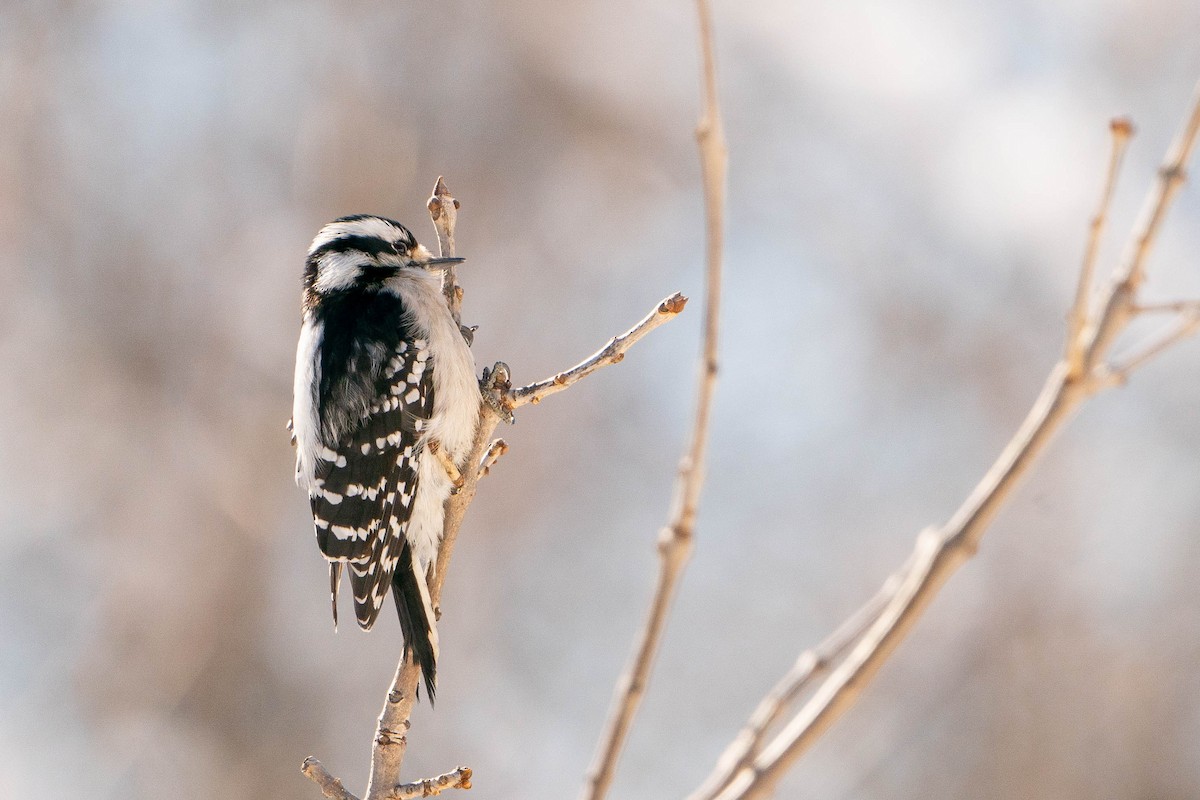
{"type": "Point", "coordinates": [330, 786]}
{"type": "Point", "coordinates": [1122, 131]}
{"type": "Point", "coordinates": [431, 787]}
{"type": "Point", "coordinates": [939, 551]}
{"type": "Point", "coordinates": [611, 353]}
{"type": "Point", "coordinates": [497, 449]}
{"type": "Point", "coordinates": [1177, 307]}
{"type": "Point", "coordinates": [443, 210]}
{"type": "Point", "coordinates": [675, 540]}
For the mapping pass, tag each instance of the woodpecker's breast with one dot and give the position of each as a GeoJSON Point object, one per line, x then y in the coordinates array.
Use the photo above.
{"type": "Point", "coordinates": [456, 395]}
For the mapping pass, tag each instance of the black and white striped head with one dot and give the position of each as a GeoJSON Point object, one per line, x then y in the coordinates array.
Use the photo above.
{"type": "Point", "coordinates": [360, 251]}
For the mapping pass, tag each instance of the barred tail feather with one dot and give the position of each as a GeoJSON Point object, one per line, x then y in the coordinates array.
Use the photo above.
{"type": "Point", "coordinates": [416, 617]}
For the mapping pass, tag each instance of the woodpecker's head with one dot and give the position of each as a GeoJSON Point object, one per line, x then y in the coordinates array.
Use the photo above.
{"type": "Point", "coordinates": [360, 251]}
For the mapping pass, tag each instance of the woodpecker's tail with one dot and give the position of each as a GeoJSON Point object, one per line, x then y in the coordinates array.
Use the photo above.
{"type": "Point", "coordinates": [416, 617]}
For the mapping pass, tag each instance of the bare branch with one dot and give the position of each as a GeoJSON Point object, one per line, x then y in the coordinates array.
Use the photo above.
{"type": "Point", "coordinates": [330, 786]}
{"type": "Point", "coordinates": [940, 551]}
{"type": "Point", "coordinates": [1122, 131]}
{"type": "Point", "coordinates": [431, 787]}
{"type": "Point", "coordinates": [443, 210]}
{"type": "Point", "coordinates": [391, 731]}
{"type": "Point", "coordinates": [937, 555]}
{"type": "Point", "coordinates": [675, 540]}
{"type": "Point", "coordinates": [611, 353]}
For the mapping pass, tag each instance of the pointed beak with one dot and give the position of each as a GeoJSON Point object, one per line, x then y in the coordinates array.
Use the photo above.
{"type": "Point", "coordinates": [442, 263]}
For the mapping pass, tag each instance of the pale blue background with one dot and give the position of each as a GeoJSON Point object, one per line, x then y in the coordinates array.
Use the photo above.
{"type": "Point", "coordinates": [910, 184]}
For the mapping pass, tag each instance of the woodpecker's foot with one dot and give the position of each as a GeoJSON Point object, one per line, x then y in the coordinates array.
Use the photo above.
{"type": "Point", "coordinates": [456, 478]}
{"type": "Point", "coordinates": [494, 386]}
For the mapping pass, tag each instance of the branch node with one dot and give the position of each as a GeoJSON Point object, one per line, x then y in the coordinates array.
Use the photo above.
{"type": "Point", "coordinates": [1175, 173]}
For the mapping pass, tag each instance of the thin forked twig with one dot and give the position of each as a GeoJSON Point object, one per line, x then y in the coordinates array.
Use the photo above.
{"type": "Point", "coordinates": [1122, 131]}
{"type": "Point", "coordinates": [675, 540]}
{"type": "Point", "coordinates": [939, 551]}
{"type": "Point", "coordinates": [1120, 303]}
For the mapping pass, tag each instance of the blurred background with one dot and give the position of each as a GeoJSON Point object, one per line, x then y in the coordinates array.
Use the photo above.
{"type": "Point", "coordinates": [910, 184]}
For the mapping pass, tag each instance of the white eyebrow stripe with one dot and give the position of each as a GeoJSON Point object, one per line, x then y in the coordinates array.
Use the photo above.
{"type": "Point", "coordinates": [370, 226]}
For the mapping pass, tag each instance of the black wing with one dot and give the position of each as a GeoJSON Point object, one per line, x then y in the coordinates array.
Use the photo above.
{"type": "Point", "coordinates": [368, 482]}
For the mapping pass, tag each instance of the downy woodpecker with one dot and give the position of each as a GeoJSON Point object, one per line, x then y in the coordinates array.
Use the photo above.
{"type": "Point", "coordinates": [384, 411]}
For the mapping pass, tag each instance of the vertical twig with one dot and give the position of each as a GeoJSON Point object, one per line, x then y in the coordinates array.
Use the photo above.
{"type": "Point", "coordinates": [1122, 130]}
{"type": "Point", "coordinates": [675, 540]}
{"type": "Point", "coordinates": [443, 210]}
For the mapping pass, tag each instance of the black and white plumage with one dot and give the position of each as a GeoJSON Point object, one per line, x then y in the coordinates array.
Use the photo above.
{"type": "Point", "coordinates": [382, 373]}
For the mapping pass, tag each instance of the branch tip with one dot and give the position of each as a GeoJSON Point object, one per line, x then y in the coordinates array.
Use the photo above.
{"type": "Point", "coordinates": [673, 304]}
{"type": "Point", "coordinates": [1122, 127]}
